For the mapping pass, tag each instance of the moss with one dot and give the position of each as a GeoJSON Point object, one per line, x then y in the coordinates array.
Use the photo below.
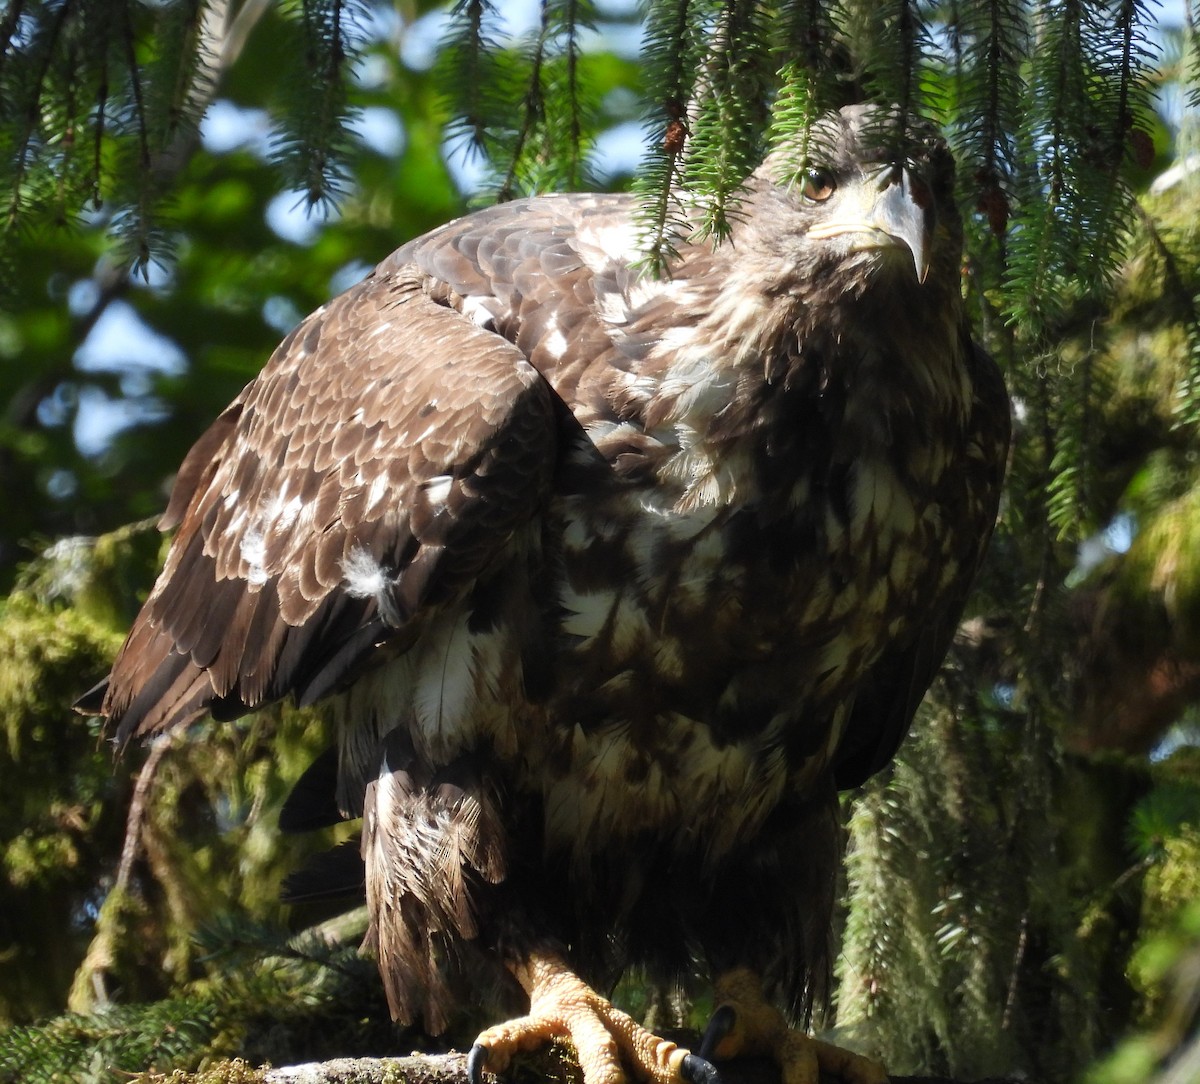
{"type": "Point", "coordinates": [47, 656]}
{"type": "Point", "coordinates": [1174, 883]}
{"type": "Point", "coordinates": [1168, 963]}
{"type": "Point", "coordinates": [27, 858]}
{"type": "Point", "coordinates": [61, 816]}
{"type": "Point", "coordinates": [234, 1071]}
{"type": "Point", "coordinates": [105, 578]}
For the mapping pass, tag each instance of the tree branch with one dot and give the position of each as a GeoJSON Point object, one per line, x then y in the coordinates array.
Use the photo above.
{"type": "Point", "coordinates": [451, 1069]}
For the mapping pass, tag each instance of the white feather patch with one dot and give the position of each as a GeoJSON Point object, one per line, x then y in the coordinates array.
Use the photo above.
{"type": "Point", "coordinates": [254, 553]}
{"type": "Point", "coordinates": [437, 489]}
{"type": "Point", "coordinates": [478, 310]}
{"type": "Point", "coordinates": [364, 577]}
{"type": "Point", "coordinates": [603, 243]}
{"type": "Point", "coordinates": [586, 614]}
{"type": "Point", "coordinates": [555, 342]}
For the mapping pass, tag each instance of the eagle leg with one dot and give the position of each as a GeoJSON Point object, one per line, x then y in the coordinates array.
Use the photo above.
{"type": "Point", "coordinates": [563, 1006]}
{"type": "Point", "coordinates": [745, 1023]}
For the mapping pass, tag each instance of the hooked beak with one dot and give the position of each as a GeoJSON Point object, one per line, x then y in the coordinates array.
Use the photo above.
{"type": "Point", "coordinates": [885, 210]}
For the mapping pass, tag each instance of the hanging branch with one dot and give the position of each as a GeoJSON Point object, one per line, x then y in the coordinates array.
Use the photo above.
{"type": "Point", "coordinates": [530, 118]}
{"type": "Point", "coordinates": [576, 15]}
{"type": "Point", "coordinates": [532, 114]}
{"type": "Point", "coordinates": [75, 80]}
{"type": "Point", "coordinates": [471, 70]}
{"type": "Point", "coordinates": [313, 141]}
{"type": "Point", "coordinates": [669, 54]}
{"type": "Point", "coordinates": [892, 44]}
{"type": "Point", "coordinates": [24, 91]}
{"type": "Point", "coordinates": [727, 115]}
{"type": "Point", "coordinates": [1040, 250]}
{"type": "Point", "coordinates": [553, 159]}
{"type": "Point", "coordinates": [989, 89]}
{"type": "Point", "coordinates": [139, 226]}
{"type": "Point", "coordinates": [807, 80]}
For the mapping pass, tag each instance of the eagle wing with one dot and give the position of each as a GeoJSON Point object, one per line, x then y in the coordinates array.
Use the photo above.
{"type": "Point", "coordinates": [890, 693]}
{"type": "Point", "coordinates": [386, 453]}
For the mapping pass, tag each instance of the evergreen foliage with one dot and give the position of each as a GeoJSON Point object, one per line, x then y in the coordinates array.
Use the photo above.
{"type": "Point", "coordinates": [91, 901]}
{"type": "Point", "coordinates": [951, 962]}
{"type": "Point", "coordinates": [313, 142]}
{"type": "Point", "coordinates": [100, 99]}
{"type": "Point", "coordinates": [267, 997]}
{"type": "Point", "coordinates": [1045, 101]}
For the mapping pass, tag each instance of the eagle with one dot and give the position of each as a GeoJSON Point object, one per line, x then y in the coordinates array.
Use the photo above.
{"type": "Point", "coordinates": [611, 582]}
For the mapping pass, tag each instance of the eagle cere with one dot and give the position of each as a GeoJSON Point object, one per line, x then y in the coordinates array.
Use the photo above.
{"type": "Point", "coordinates": [611, 583]}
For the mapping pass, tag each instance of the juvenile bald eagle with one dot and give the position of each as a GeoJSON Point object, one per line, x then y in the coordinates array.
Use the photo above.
{"type": "Point", "coordinates": [612, 582]}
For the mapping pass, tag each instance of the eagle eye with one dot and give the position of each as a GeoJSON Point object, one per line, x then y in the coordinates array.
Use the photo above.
{"type": "Point", "coordinates": [819, 185]}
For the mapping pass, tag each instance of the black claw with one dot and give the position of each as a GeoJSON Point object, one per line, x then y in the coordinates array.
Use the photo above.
{"type": "Point", "coordinates": [720, 1024]}
{"type": "Point", "coordinates": [697, 1070]}
{"type": "Point", "coordinates": [475, 1062]}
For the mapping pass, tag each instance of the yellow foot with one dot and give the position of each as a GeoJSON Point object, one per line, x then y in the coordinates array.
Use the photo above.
{"type": "Point", "coordinates": [744, 1022]}
{"type": "Point", "coordinates": [562, 1006]}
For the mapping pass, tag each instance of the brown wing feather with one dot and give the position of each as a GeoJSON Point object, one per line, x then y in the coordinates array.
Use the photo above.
{"type": "Point", "coordinates": [551, 275]}
{"type": "Point", "coordinates": [387, 450]}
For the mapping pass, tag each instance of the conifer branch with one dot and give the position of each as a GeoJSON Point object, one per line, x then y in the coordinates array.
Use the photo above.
{"type": "Point", "coordinates": [990, 88]}
{"type": "Point", "coordinates": [41, 54]}
{"type": "Point", "coordinates": [471, 73]}
{"type": "Point", "coordinates": [532, 111]}
{"type": "Point", "coordinates": [727, 114]}
{"type": "Point", "coordinates": [575, 17]}
{"type": "Point", "coordinates": [669, 57]}
{"type": "Point", "coordinates": [312, 146]}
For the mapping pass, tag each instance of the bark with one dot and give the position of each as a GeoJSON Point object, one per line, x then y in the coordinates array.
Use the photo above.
{"type": "Point", "coordinates": [451, 1069]}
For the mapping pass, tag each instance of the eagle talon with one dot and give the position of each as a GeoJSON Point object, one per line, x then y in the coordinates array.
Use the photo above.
{"type": "Point", "coordinates": [746, 1023]}
{"type": "Point", "coordinates": [476, 1060]}
{"type": "Point", "coordinates": [609, 1043]}
{"type": "Point", "coordinates": [720, 1024]}
{"type": "Point", "coordinates": [697, 1069]}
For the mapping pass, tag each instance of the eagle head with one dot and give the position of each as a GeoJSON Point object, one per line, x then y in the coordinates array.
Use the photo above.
{"type": "Point", "coordinates": [865, 196]}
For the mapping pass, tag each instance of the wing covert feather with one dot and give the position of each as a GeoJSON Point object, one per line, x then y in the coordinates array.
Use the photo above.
{"type": "Point", "coordinates": [384, 456]}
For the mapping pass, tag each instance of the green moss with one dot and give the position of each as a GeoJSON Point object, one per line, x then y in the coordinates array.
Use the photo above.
{"type": "Point", "coordinates": [48, 654]}
{"type": "Point", "coordinates": [234, 1071]}
{"type": "Point", "coordinates": [1174, 883]}
{"type": "Point", "coordinates": [28, 857]}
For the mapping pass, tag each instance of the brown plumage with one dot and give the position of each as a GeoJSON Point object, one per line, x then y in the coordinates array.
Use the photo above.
{"type": "Point", "coordinates": [612, 582]}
